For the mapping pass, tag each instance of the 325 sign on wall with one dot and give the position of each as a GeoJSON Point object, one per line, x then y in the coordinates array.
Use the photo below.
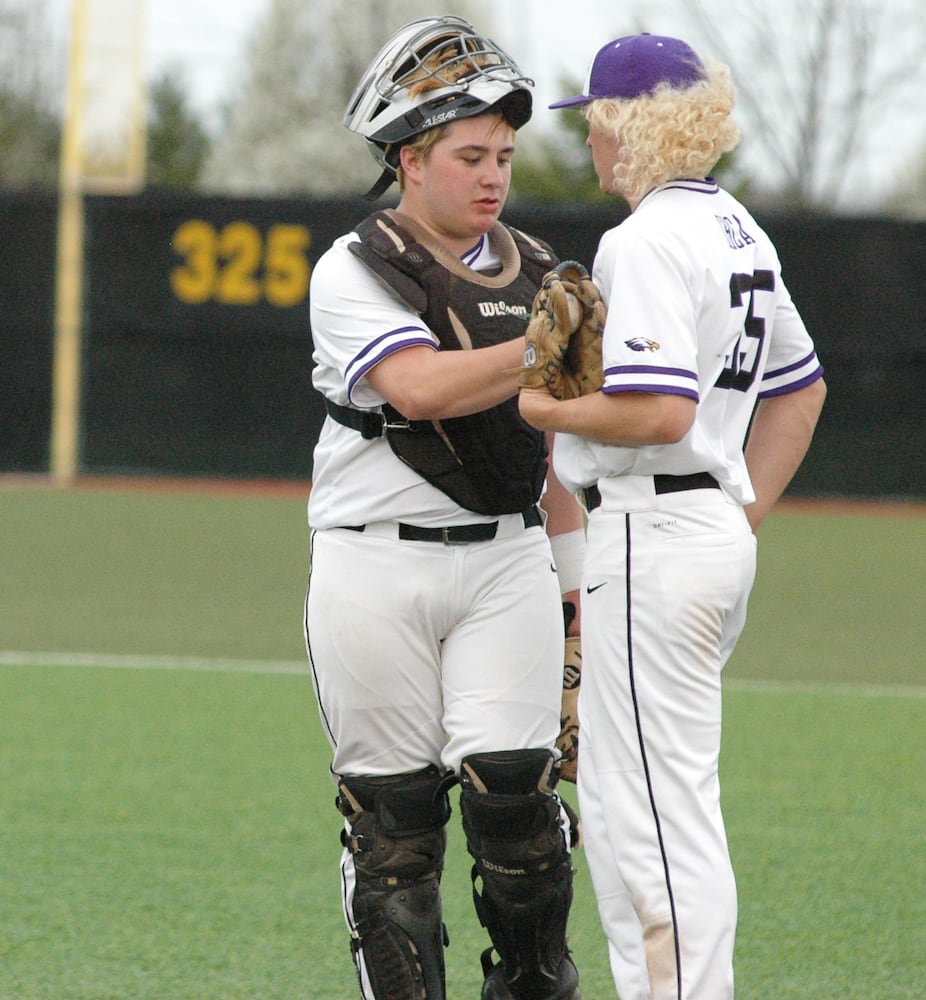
{"type": "Point", "coordinates": [240, 264]}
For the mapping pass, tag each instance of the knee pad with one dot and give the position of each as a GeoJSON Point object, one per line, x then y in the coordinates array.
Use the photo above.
{"type": "Point", "coordinates": [508, 802]}
{"type": "Point", "coordinates": [397, 839]}
{"type": "Point", "coordinates": [394, 819]}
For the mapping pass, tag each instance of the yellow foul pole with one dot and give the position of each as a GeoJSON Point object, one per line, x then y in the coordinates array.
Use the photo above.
{"type": "Point", "coordinates": [65, 422]}
{"type": "Point", "coordinates": [102, 149]}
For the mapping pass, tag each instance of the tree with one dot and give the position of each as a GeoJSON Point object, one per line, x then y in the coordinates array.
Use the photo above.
{"type": "Point", "coordinates": [284, 133]}
{"type": "Point", "coordinates": [556, 168]}
{"type": "Point", "coordinates": [177, 141]}
{"type": "Point", "coordinates": [909, 199]}
{"type": "Point", "coordinates": [30, 135]}
{"type": "Point", "coordinates": [818, 82]}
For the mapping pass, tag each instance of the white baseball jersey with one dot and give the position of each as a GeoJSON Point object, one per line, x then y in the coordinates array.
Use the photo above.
{"type": "Point", "coordinates": [697, 307]}
{"type": "Point", "coordinates": [357, 321]}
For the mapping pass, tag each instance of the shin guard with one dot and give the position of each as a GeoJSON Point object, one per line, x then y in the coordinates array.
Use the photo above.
{"type": "Point", "coordinates": [512, 822]}
{"type": "Point", "coordinates": [396, 837]}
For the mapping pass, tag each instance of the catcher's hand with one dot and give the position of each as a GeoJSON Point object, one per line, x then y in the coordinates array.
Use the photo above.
{"type": "Point", "coordinates": [563, 337]}
{"type": "Point", "coordinates": [568, 739]}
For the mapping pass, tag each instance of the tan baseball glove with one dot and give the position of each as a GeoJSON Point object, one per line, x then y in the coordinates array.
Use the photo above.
{"type": "Point", "coordinates": [568, 740]}
{"type": "Point", "coordinates": [563, 350]}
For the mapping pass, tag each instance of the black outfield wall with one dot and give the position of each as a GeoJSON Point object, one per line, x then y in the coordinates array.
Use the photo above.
{"type": "Point", "coordinates": [197, 347]}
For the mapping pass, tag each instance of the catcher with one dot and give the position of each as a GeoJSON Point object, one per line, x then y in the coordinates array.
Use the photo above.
{"type": "Point", "coordinates": [433, 615]}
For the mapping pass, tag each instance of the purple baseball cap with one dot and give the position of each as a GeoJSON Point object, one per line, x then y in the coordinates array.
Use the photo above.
{"type": "Point", "coordinates": [635, 65]}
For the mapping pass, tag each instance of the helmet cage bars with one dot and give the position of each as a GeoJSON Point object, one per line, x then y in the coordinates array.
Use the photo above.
{"type": "Point", "coordinates": [455, 73]}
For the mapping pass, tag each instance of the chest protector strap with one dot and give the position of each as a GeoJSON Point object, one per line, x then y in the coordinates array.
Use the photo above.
{"type": "Point", "coordinates": [491, 462]}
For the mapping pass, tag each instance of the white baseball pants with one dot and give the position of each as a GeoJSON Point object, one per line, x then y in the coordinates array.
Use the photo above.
{"type": "Point", "coordinates": [665, 587]}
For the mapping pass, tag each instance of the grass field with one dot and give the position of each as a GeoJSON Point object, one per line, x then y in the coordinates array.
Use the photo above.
{"type": "Point", "coordinates": [167, 828]}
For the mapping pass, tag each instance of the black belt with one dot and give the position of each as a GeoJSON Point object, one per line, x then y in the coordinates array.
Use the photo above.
{"type": "Point", "coordinates": [662, 484]}
{"type": "Point", "coordinates": [458, 534]}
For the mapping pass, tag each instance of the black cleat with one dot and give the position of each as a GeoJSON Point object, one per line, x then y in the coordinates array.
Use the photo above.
{"type": "Point", "coordinates": [566, 986]}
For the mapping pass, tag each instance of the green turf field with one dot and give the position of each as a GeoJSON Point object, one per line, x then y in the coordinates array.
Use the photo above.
{"type": "Point", "coordinates": [167, 828]}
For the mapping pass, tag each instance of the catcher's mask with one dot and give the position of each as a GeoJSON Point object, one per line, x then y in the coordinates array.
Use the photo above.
{"type": "Point", "coordinates": [430, 72]}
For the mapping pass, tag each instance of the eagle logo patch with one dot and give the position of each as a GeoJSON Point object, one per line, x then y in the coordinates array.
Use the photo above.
{"type": "Point", "coordinates": [642, 344]}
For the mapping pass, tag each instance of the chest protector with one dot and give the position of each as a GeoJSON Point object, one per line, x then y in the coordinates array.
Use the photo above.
{"type": "Point", "coordinates": [491, 462]}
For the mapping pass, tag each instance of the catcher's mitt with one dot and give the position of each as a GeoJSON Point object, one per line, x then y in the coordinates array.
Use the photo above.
{"type": "Point", "coordinates": [568, 739]}
{"type": "Point", "coordinates": [563, 337]}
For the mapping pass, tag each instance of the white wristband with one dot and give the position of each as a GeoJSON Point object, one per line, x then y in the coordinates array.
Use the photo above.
{"type": "Point", "coordinates": [568, 556]}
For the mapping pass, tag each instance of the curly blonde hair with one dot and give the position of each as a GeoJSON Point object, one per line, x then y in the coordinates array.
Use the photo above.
{"type": "Point", "coordinates": [670, 133]}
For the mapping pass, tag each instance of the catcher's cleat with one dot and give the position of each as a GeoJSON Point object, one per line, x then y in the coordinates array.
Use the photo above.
{"type": "Point", "coordinates": [565, 986]}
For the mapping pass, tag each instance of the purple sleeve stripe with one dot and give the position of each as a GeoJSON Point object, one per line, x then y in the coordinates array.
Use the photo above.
{"type": "Point", "coordinates": [790, 368]}
{"type": "Point", "coordinates": [783, 390]}
{"type": "Point", "coordinates": [357, 371]}
{"type": "Point", "coordinates": [374, 344]}
{"type": "Point", "coordinates": [657, 389]}
{"type": "Point", "coordinates": [651, 370]}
